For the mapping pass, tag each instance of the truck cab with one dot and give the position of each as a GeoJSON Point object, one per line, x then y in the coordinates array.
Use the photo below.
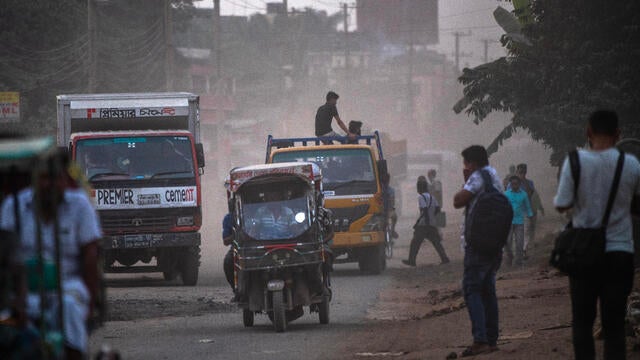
{"type": "Point", "coordinates": [353, 191]}
{"type": "Point", "coordinates": [142, 158]}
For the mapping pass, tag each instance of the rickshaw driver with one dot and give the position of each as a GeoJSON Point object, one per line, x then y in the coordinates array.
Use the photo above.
{"type": "Point", "coordinates": [79, 234]}
{"type": "Point", "coordinates": [274, 218]}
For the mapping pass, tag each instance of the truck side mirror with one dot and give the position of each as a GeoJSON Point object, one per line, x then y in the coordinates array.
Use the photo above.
{"type": "Point", "coordinates": [382, 167]}
{"type": "Point", "coordinates": [200, 155]}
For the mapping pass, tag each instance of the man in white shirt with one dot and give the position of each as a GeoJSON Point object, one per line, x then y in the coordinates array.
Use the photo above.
{"type": "Point", "coordinates": [611, 283]}
{"type": "Point", "coordinates": [79, 231]}
{"type": "Point", "coordinates": [479, 278]}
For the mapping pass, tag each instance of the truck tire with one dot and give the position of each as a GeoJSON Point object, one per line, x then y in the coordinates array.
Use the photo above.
{"type": "Point", "coordinates": [373, 260]}
{"type": "Point", "coordinates": [190, 266]}
{"type": "Point", "coordinates": [247, 318]}
{"type": "Point", "coordinates": [169, 275]}
{"type": "Point", "coordinates": [279, 311]}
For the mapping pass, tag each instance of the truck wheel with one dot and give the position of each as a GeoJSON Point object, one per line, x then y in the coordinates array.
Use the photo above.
{"type": "Point", "coordinates": [169, 275]}
{"type": "Point", "coordinates": [373, 260]}
{"type": "Point", "coordinates": [190, 265]}
{"type": "Point", "coordinates": [323, 311]}
{"type": "Point", "coordinates": [279, 313]}
{"type": "Point", "coordinates": [247, 318]}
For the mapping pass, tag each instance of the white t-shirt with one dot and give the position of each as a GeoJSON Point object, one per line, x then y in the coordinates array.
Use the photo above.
{"type": "Point", "coordinates": [475, 183]}
{"type": "Point", "coordinates": [597, 169]}
{"type": "Point", "coordinates": [78, 224]}
{"type": "Point", "coordinates": [425, 200]}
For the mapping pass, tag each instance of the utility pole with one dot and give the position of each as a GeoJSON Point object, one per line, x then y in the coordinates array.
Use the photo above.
{"type": "Point", "coordinates": [410, 59]}
{"type": "Point", "coordinates": [486, 50]}
{"type": "Point", "coordinates": [168, 39]}
{"type": "Point", "coordinates": [345, 9]}
{"type": "Point", "coordinates": [217, 29]}
{"type": "Point", "coordinates": [286, 7]}
{"type": "Point", "coordinates": [91, 27]}
{"type": "Point", "coordinates": [457, 36]}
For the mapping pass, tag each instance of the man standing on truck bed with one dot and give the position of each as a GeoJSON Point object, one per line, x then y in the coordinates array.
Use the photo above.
{"type": "Point", "coordinates": [325, 115]}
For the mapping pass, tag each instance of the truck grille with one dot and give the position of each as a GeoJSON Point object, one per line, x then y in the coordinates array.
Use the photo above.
{"type": "Point", "coordinates": [137, 223]}
{"type": "Point", "coordinates": [343, 217]}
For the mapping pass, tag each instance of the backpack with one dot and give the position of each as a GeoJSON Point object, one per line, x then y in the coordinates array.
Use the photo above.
{"type": "Point", "coordinates": [424, 219]}
{"type": "Point", "coordinates": [488, 223]}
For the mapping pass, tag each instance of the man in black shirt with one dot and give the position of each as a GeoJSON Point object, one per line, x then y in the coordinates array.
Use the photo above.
{"type": "Point", "coordinates": [325, 115]}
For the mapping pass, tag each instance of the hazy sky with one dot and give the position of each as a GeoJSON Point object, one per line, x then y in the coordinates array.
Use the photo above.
{"type": "Point", "coordinates": [474, 16]}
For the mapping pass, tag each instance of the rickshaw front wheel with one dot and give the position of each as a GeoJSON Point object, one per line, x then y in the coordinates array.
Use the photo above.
{"type": "Point", "coordinates": [323, 311]}
{"type": "Point", "coordinates": [247, 317]}
{"type": "Point", "coordinates": [279, 313]}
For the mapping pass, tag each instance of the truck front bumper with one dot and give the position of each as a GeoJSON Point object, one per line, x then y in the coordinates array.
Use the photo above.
{"type": "Point", "coordinates": [147, 241]}
{"type": "Point", "coordinates": [343, 240]}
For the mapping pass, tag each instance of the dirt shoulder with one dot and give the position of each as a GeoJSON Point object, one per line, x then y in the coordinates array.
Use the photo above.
{"type": "Point", "coordinates": [423, 315]}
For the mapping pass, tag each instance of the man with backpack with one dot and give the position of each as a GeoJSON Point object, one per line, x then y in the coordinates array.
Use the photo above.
{"type": "Point", "coordinates": [488, 217]}
{"type": "Point", "coordinates": [599, 184]}
{"type": "Point", "coordinates": [425, 225]}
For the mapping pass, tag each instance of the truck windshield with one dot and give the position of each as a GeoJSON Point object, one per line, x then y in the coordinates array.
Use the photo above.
{"type": "Point", "coordinates": [275, 212]}
{"type": "Point", "coordinates": [150, 157]}
{"type": "Point", "coordinates": [344, 171]}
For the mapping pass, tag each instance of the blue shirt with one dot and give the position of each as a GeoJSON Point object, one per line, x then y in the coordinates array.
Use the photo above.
{"type": "Point", "coordinates": [520, 203]}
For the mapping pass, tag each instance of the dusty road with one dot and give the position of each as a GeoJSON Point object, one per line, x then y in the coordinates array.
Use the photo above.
{"type": "Point", "coordinates": [158, 321]}
{"type": "Point", "coordinates": [405, 313]}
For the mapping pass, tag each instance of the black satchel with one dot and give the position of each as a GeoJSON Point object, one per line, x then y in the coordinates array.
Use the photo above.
{"type": "Point", "coordinates": [580, 250]}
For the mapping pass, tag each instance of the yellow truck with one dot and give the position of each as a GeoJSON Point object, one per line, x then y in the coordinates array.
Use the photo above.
{"type": "Point", "coordinates": [352, 187]}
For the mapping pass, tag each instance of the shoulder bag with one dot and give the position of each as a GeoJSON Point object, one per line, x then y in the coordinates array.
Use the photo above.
{"type": "Point", "coordinates": [579, 251]}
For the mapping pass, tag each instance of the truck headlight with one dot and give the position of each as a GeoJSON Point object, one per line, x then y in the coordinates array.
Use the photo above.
{"type": "Point", "coordinates": [185, 221]}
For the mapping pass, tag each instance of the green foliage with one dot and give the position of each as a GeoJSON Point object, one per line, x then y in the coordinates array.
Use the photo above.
{"type": "Point", "coordinates": [584, 55]}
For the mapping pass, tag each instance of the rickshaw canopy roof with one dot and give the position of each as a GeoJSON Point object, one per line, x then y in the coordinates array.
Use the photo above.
{"type": "Point", "coordinates": [306, 171]}
{"type": "Point", "coordinates": [22, 151]}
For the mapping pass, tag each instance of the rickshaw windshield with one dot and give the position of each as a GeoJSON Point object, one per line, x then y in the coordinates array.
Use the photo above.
{"type": "Point", "coordinates": [275, 211]}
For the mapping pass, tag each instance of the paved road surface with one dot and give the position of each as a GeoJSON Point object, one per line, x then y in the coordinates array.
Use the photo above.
{"type": "Point", "coordinates": [159, 321]}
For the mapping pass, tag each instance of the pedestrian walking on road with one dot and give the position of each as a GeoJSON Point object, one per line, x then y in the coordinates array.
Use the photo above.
{"type": "Point", "coordinates": [611, 280]}
{"type": "Point", "coordinates": [528, 186]}
{"type": "Point", "coordinates": [479, 278]}
{"type": "Point", "coordinates": [521, 207]}
{"type": "Point", "coordinates": [425, 225]}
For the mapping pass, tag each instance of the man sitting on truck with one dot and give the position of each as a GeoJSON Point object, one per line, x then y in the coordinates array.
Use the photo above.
{"type": "Point", "coordinates": [325, 115]}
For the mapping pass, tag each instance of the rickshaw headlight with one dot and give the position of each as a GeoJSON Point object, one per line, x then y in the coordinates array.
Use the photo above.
{"type": "Point", "coordinates": [184, 221]}
{"type": "Point", "coordinates": [300, 217]}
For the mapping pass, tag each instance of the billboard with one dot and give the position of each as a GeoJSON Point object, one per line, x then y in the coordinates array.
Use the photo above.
{"type": "Point", "coordinates": [9, 107]}
{"type": "Point", "coordinates": [399, 21]}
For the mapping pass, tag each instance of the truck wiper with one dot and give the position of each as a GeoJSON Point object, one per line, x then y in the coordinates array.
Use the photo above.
{"type": "Point", "coordinates": [350, 182]}
{"type": "Point", "coordinates": [171, 173]}
{"type": "Point", "coordinates": [107, 174]}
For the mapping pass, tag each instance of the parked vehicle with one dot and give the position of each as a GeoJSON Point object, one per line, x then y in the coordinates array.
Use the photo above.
{"type": "Point", "coordinates": [142, 156]}
{"type": "Point", "coordinates": [353, 192]}
{"type": "Point", "coordinates": [282, 261]}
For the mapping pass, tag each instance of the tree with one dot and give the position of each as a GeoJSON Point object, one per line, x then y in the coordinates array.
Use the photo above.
{"type": "Point", "coordinates": [44, 47]}
{"type": "Point", "coordinates": [578, 56]}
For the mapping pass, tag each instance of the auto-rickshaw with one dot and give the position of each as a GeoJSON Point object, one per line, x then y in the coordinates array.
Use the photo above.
{"type": "Point", "coordinates": [281, 234]}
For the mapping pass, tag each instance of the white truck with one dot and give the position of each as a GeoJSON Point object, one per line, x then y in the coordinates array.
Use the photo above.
{"type": "Point", "coordinates": [142, 156]}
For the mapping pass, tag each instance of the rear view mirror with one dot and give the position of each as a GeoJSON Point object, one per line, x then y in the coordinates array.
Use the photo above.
{"type": "Point", "coordinates": [200, 155]}
{"type": "Point", "coordinates": [382, 167]}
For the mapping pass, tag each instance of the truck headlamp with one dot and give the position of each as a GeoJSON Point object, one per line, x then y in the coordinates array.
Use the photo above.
{"type": "Point", "coordinates": [185, 221]}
